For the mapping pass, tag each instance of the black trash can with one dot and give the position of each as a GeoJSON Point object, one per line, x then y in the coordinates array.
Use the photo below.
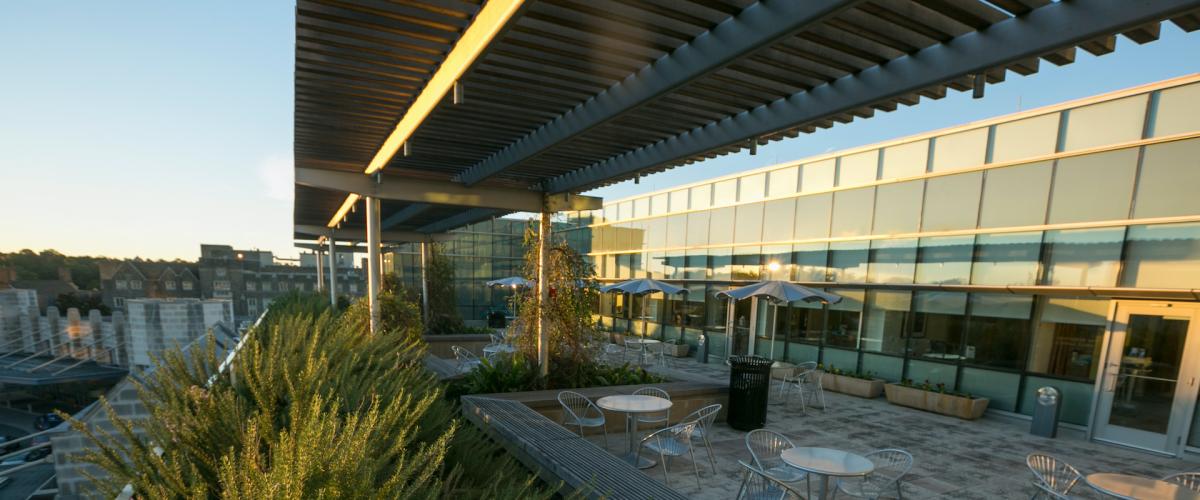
{"type": "Point", "coordinates": [749, 384]}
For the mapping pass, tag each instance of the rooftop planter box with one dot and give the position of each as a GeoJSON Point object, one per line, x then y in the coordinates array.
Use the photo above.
{"type": "Point", "coordinates": [869, 388]}
{"type": "Point", "coordinates": [964, 407]}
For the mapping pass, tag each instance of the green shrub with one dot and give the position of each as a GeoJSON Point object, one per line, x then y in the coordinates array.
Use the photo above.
{"type": "Point", "coordinates": [519, 373]}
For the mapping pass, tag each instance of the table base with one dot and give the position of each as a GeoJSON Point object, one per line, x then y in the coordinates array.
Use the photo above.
{"type": "Point", "coordinates": [639, 462]}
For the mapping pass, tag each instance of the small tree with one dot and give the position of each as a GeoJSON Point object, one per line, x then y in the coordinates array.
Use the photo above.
{"type": "Point", "coordinates": [443, 312]}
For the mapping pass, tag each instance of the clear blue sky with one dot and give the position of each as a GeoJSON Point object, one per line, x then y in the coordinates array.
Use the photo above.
{"type": "Point", "coordinates": [144, 128]}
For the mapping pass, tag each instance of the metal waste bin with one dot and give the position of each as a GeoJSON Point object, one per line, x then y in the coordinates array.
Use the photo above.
{"type": "Point", "coordinates": [749, 384]}
{"type": "Point", "coordinates": [1046, 408]}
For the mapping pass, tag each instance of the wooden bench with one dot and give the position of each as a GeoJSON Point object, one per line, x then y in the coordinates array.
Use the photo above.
{"type": "Point", "coordinates": [558, 455]}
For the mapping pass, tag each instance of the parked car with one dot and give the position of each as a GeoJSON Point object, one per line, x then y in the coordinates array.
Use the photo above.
{"type": "Point", "coordinates": [47, 421]}
{"type": "Point", "coordinates": [37, 454]}
{"type": "Point", "coordinates": [7, 445]}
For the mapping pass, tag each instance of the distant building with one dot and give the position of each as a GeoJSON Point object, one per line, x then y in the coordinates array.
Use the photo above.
{"type": "Point", "coordinates": [253, 278]}
{"type": "Point", "coordinates": [138, 279]}
{"type": "Point", "coordinates": [47, 290]}
{"type": "Point", "coordinates": [156, 325]}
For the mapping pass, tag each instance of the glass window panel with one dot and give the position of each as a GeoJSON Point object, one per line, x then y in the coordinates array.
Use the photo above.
{"type": "Point", "coordinates": [898, 207]}
{"type": "Point", "coordinates": [937, 326]}
{"type": "Point", "coordinates": [1025, 138]}
{"type": "Point", "coordinates": [641, 207]}
{"type": "Point", "coordinates": [625, 210]}
{"type": "Point", "coordinates": [1068, 337]}
{"type": "Point", "coordinates": [720, 226]}
{"type": "Point", "coordinates": [852, 211]}
{"type": "Point", "coordinates": [661, 232]}
{"type": "Point", "coordinates": [889, 368]}
{"type": "Point", "coordinates": [725, 192]}
{"type": "Point", "coordinates": [610, 212]}
{"type": "Point", "coordinates": [1167, 183]}
{"type": "Point", "coordinates": [701, 197]}
{"type": "Point", "coordinates": [673, 264]}
{"type": "Point", "coordinates": [679, 200]}
{"type": "Point", "coordinates": [747, 227]}
{"type": "Point", "coordinates": [676, 230]}
{"type": "Point", "coordinates": [886, 317]}
{"type": "Point", "coordinates": [777, 262]}
{"type": "Point", "coordinates": [1093, 187]}
{"type": "Point", "coordinates": [696, 267]}
{"type": "Point", "coordinates": [1006, 259]}
{"type": "Point", "coordinates": [658, 204]}
{"type": "Point", "coordinates": [1076, 398]}
{"type": "Point", "coordinates": [747, 263]}
{"type": "Point", "coordinates": [844, 319]}
{"type": "Point", "coordinates": [858, 169]}
{"type": "Point", "coordinates": [720, 263]}
{"type": "Point", "coordinates": [655, 263]}
{"type": "Point", "coordinates": [809, 260]}
{"type": "Point", "coordinates": [1016, 196]}
{"type": "Point", "coordinates": [752, 187]}
{"type": "Point", "coordinates": [1162, 256]}
{"type": "Point", "coordinates": [959, 150]}
{"type": "Point", "coordinates": [778, 220]}
{"type": "Point", "coordinates": [637, 232]}
{"type": "Point", "coordinates": [812, 216]}
{"type": "Point", "coordinates": [817, 176]}
{"type": "Point", "coordinates": [783, 181]}
{"type": "Point", "coordinates": [892, 261]}
{"type": "Point", "coordinates": [806, 324]}
{"type": "Point", "coordinates": [905, 160]}
{"type": "Point", "coordinates": [624, 269]}
{"type": "Point", "coordinates": [934, 373]}
{"type": "Point", "coordinates": [842, 359]}
{"type": "Point", "coordinates": [945, 260]}
{"type": "Point", "coordinates": [998, 333]}
{"type": "Point", "coordinates": [1178, 110]}
{"type": "Point", "coordinates": [1105, 123]}
{"type": "Point", "coordinates": [1084, 257]}
{"type": "Point", "coordinates": [848, 261]}
{"type": "Point", "coordinates": [999, 387]}
{"type": "Point", "coordinates": [952, 202]}
{"type": "Point", "coordinates": [697, 228]}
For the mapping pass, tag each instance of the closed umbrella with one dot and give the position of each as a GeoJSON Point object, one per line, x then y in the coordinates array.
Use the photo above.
{"type": "Point", "coordinates": [643, 286]}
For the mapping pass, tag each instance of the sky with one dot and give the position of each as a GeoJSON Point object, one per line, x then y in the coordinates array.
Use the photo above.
{"type": "Point", "coordinates": [145, 128]}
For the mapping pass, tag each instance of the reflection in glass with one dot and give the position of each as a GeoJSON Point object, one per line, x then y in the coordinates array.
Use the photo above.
{"type": "Point", "coordinates": [1068, 338]}
{"type": "Point", "coordinates": [1083, 257]}
{"type": "Point", "coordinates": [806, 322]}
{"type": "Point", "coordinates": [1093, 187]}
{"type": "Point", "coordinates": [905, 160]}
{"type": "Point", "coordinates": [720, 226]}
{"type": "Point", "coordinates": [1006, 259]}
{"type": "Point", "coordinates": [1016, 196]}
{"type": "Point", "coordinates": [892, 261]}
{"type": "Point", "coordinates": [715, 316]}
{"type": "Point", "coordinates": [696, 265]}
{"type": "Point", "coordinates": [747, 263]}
{"type": "Point", "coordinates": [848, 261]}
{"type": "Point", "coordinates": [777, 262]}
{"type": "Point", "coordinates": [852, 212]}
{"type": "Point", "coordinates": [898, 207]}
{"type": "Point", "coordinates": [1167, 183]}
{"type": "Point", "coordinates": [937, 325]}
{"type": "Point", "coordinates": [951, 202]}
{"type": "Point", "coordinates": [660, 230]}
{"type": "Point", "coordinates": [1026, 138]}
{"type": "Point", "coordinates": [858, 168]}
{"type": "Point", "coordinates": [778, 220]}
{"type": "Point", "coordinates": [752, 187]}
{"type": "Point", "coordinates": [783, 181]}
{"type": "Point", "coordinates": [817, 176]}
{"type": "Point", "coordinates": [945, 260]}
{"type": "Point", "coordinates": [747, 227]}
{"type": "Point", "coordinates": [959, 150]}
{"type": "Point", "coordinates": [887, 314]}
{"type": "Point", "coordinates": [809, 262]}
{"type": "Point", "coordinates": [697, 229]}
{"type": "Point", "coordinates": [844, 319]}
{"type": "Point", "coordinates": [1178, 111]}
{"type": "Point", "coordinates": [674, 265]}
{"type": "Point", "coordinates": [812, 216]}
{"type": "Point", "coordinates": [1162, 256]}
{"type": "Point", "coordinates": [654, 262]}
{"type": "Point", "coordinates": [720, 261]}
{"type": "Point", "coordinates": [1105, 123]}
{"type": "Point", "coordinates": [1150, 360]}
{"type": "Point", "coordinates": [998, 333]}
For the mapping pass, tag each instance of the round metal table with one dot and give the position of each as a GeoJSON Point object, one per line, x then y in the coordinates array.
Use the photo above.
{"type": "Point", "coordinates": [631, 406]}
{"type": "Point", "coordinates": [1137, 487]}
{"type": "Point", "coordinates": [642, 342]}
{"type": "Point", "coordinates": [827, 463]}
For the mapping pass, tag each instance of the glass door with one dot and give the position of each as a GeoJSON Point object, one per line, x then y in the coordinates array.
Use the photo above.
{"type": "Point", "coordinates": [741, 337]}
{"type": "Point", "coordinates": [764, 329]}
{"type": "Point", "coordinates": [1148, 392]}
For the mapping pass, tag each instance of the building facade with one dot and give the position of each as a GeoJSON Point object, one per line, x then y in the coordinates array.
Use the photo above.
{"type": "Point", "coordinates": [137, 279]}
{"type": "Point", "coordinates": [251, 279]}
{"type": "Point", "coordinates": [1054, 247]}
{"type": "Point", "coordinates": [156, 325]}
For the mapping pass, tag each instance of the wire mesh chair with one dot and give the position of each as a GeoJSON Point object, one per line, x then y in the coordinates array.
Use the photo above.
{"type": "Point", "coordinates": [704, 419]}
{"type": "Point", "coordinates": [792, 378]}
{"type": "Point", "coordinates": [891, 465]}
{"type": "Point", "coordinates": [654, 419]}
{"type": "Point", "coordinates": [657, 353]}
{"type": "Point", "coordinates": [581, 412]}
{"type": "Point", "coordinates": [1189, 480]}
{"type": "Point", "coordinates": [612, 351]}
{"type": "Point", "coordinates": [672, 442]}
{"type": "Point", "coordinates": [1053, 477]}
{"type": "Point", "coordinates": [766, 448]}
{"type": "Point", "coordinates": [635, 348]}
{"type": "Point", "coordinates": [466, 360]}
{"type": "Point", "coordinates": [809, 385]}
{"type": "Point", "coordinates": [757, 485]}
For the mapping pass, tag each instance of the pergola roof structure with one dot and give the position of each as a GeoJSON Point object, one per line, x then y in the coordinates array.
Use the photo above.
{"type": "Point", "coordinates": [567, 96]}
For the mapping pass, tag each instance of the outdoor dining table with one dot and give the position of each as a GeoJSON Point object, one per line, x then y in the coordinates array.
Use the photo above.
{"type": "Point", "coordinates": [490, 351]}
{"type": "Point", "coordinates": [827, 463]}
{"type": "Point", "coordinates": [642, 343]}
{"type": "Point", "coordinates": [631, 406]}
{"type": "Point", "coordinates": [1138, 488]}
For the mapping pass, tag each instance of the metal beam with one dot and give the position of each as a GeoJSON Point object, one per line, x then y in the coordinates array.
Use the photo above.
{"type": "Point", "coordinates": [374, 264]}
{"type": "Point", "coordinates": [755, 27]}
{"type": "Point", "coordinates": [404, 214]}
{"type": "Point", "coordinates": [323, 247]}
{"type": "Point", "coordinates": [462, 219]}
{"type": "Point", "coordinates": [1042, 31]}
{"type": "Point", "coordinates": [358, 236]}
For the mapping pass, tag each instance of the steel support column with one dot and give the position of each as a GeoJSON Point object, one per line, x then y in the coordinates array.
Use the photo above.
{"type": "Point", "coordinates": [373, 264]}
{"type": "Point", "coordinates": [320, 271]}
{"type": "Point", "coordinates": [333, 273]}
{"type": "Point", "coordinates": [543, 289]}
{"type": "Point", "coordinates": [425, 281]}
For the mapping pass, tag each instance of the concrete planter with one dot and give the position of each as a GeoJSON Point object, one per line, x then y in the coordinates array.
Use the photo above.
{"type": "Point", "coordinates": [945, 404]}
{"type": "Point", "coordinates": [676, 350]}
{"type": "Point", "coordinates": [862, 388]}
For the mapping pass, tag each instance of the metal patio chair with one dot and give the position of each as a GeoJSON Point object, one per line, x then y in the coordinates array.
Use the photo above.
{"type": "Point", "coordinates": [766, 447]}
{"type": "Point", "coordinates": [658, 420]}
{"type": "Point", "coordinates": [636, 349]}
{"type": "Point", "coordinates": [466, 359]}
{"type": "Point", "coordinates": [1189, 480]}
{"type": "Point", "coordinates": [704, 419]}
{"type": "Point", "coordinates": [891, 465]}
{"type": "Point", "coordinates": [1052, 477]}
{"type": "Point", "coordinates": [581, 412]}
{"type": "Point", "coordinates": [672, 441]}
{"type": "Point", "coordinates": [612, 351]}
{"type": "Point", "coordinates": [757, 485]}
{"type": "Point", "coordinates": [657, 354]}
{"type": "Point", "coordinates": [792, 377]}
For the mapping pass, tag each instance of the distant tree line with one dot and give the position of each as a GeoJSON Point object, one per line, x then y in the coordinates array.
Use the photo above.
{"type": "Point", "coordinates": [44, 265]}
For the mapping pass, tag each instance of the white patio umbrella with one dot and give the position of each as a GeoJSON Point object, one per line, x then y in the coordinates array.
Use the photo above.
{"type": "Point", "coordinates": [643, 286]}
{"type": "Point", "coordinates": [513, 283]}
{"type": "Point", "coordinates": [778, 292]}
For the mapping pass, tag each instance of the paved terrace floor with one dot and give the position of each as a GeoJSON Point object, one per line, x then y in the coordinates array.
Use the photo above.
{"type": "Point", "coordinates": [953, 458]}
